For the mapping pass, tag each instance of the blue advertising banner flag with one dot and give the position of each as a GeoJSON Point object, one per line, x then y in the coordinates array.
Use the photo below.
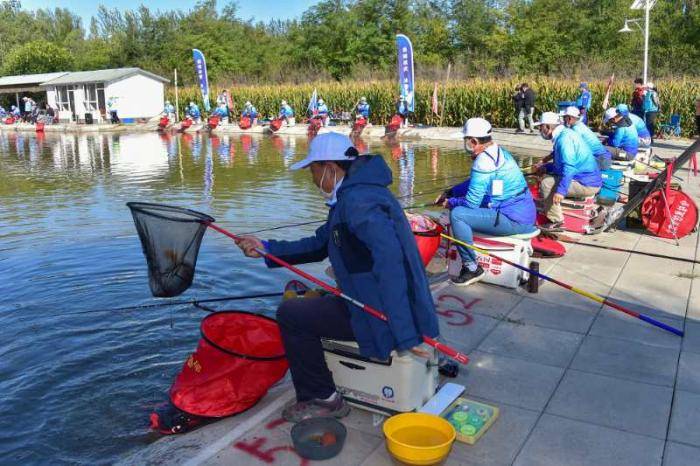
{"type": "Point", "coordinates": [405, 69]}
{"type": "Point", "coordinates": [200, 67]}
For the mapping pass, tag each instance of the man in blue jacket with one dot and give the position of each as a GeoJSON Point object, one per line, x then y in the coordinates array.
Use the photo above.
{"type": "Point", "coordinates": [495, 200]}
{"type": "Point", "coordinates": [573, 171]}
{"type": "Point", "coordinates": [287, 113]}
{"type": "Point", "coordinates": [251, 112]}
{"type": "Point", "coordinates": [362, 108]}
{"type": "Point", "coordinates": [642, 131]}
{"type": "Point", "coordinates": [375, 260]}
{"type": "Point", "coordinates": [322, 112]}
{"type": "Point", "coordinates": [601, 154]}
{"type": "Point", "coordinates": [623, 141]}
{"type": "Point", "coordinates": [194, 113]}
{"type": "Point", "coordinates": [583, 102]}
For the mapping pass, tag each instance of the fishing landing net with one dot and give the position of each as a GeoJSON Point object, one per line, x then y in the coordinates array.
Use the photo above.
{"type": "Point", "coordinates": [170, 237]}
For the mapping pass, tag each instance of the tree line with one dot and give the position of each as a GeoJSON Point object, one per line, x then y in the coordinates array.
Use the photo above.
{"type": "Point", "coordinates": [354, 39]}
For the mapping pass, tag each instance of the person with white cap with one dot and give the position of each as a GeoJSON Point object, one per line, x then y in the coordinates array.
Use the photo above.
{"type": "Point", "coordinates": [249, 111]}
{"type": "Point", "coordinates": [495, 200]}
{"type": "Point", "coordinates": [572, 119]}
{"type": "Point", "coordinates": [623, 140]}
{"type": "Point", "coordinates": [375, 260]}
{"type": "Point", "coordinates": [573, 171]}
{"type": "Point", "coordinates": [639, 124]}
{"type": "Point", "coordinates": [322, 112]}
{"type": "Point", "coordinates": [362, 109]}
{"type": "Point", "coordinates": [194, 113]}
{"type": "Point", "coordinates": [287, 113]}
{"type": "Point", "coordinates": [169, 110]}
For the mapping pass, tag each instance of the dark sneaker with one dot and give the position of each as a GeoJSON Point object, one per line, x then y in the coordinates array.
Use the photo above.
{"type": "Point", "coordinates": [467, 278]}
{"type": "Point", "coordinates": [517, 131]}
{"type": "Point", "coordinates": [551, 227]}
{"type": "Point", "coordinates": [297, 411]}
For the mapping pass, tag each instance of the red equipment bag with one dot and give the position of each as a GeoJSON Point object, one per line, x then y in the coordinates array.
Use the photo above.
{"type": "Point", "coordinates": [394, 124]}
{"type": "Point", "coordinates": [244, 123]}
{"type": "Point", "coordinates": [239, 357]}
{"type": "Point", "coordinates": [669, 213]}
{"type": "Point", "coordinates": [213, 122]}
{"type": "Point", "coordinates": [186, 123]}
{"type": "Point", "coordinates": [276, 124]}
{"type": "Point", "coordinates": [9, 120]}
{"type": "Point", "coordinates": [39, 127]}
{"type": "Point", "coordinates": [427, 234]}
{"type": "Point", "coordinates": [547, 247]}
{"type": "Point", "coordinates": [163, 122]}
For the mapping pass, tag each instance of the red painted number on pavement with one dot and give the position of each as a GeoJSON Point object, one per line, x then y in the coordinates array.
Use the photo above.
{"type": "Point", "coordinates": [458, 317]}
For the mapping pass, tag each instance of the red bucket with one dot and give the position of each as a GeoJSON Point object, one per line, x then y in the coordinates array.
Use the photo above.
{"type": "Point", "coordinates": [239, 357]}
{"type": "Point", "coordinates": [9, 121]}
{"type": "Point", "coordinates": [276, 124]}
{"type": "Point", "coordinates": [39, 127]}
{"type": "Point", "coordinates": [394, 124]}
{"type": "Point", "coordinates": [163, 122]}
{"type": "Point", "coordinates": [213, 122]}
{"type": "Point", "coordinates": [187, 122]}
{"type": "Point", "coordinates": [244, 123]}
{"type": "Point", "coordinates": [427, 234]}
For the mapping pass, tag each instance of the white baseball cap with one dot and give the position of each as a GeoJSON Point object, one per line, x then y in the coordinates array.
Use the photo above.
{"type": "Point", "coordinates": [609, 114]}
{"type": "Point", "coordinates": [476, 128]}
{"type": "Point", "coordinates": [548, 118]}
{"type": "Point", "coordinates": [651, 85]}
{"type": "Point", "coordinates": [572, 112]}
{"type": "Point", "coordinates": [328, 147]}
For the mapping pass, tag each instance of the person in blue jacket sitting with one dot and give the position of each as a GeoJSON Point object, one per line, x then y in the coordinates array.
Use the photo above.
{"type": "Point", "coordinates": [322, 112]}
{"type": "Point", "coordinates": [601, 154]}
{"type": "Point", "coordinates": [251, 112]}
{"type": "Point", "coordinates": [362, 109]}
{"type": "Point", "coordinates": [495, 200]}
{"type": "Point", "coordinates": [222, 112]}
{"type": "Point", "coordinates": [169, 110]}
{"type": "Point", "coordinates": [286, 113]}
{"type": "Point", "coordinates": [639, 124]}
{"type": "Point", "coordinates": [623, 141]}
{"type": "Point", "coordinates": [402, 110]}
{"type": "Point", "coordinates": [375, 260]}
{"type": "Point", "coordinates": [573, 171]}
{"type": "Point", "coordinates": [194, 113]}
{"type": "Point", "coordinates": [583, 102]}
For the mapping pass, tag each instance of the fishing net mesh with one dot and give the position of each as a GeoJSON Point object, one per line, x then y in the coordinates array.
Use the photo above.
{"type": "Point", "coordinates": [170, 237]}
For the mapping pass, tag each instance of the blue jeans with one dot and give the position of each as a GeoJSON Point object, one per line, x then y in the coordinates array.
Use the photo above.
{"type": "Point", "coordinates": [464, 220]}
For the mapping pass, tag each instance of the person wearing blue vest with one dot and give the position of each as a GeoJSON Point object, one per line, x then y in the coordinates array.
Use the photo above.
{"type": "Point", "coordinates": [573, 171]}
{"type": "Point", "coordinates": [601, 154]}
{"type": "Point", "coordinates": [651, 108]}
{"type": "Point", "coordinates": [194, 113]}
{"type": "Point", "coordinates": [169, 110]}
{"type": "Point", "coordinates": [623, 140]}
{"type": "Point", "coordinates": [641, 127]}
{"type": "Point", "coordinates": [322, 112]}
{"type": "Point", "coordinates": [362, 108]}
{"type": "Point", "coordinates": [251, 112]}
{"type": "Point", "coordinates": [495, 200]}
{"type": "Point", "coordinates": [402, 110]}
{"type": "Point", "coordinates": [375, 259]}
{"type": "Point", "coordinates": [583, 102]}
{"type": "Point", "coordinates": [286, 113]}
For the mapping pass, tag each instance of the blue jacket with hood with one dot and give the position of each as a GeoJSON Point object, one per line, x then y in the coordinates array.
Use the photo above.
{"type": "Point", "coordinates": [592, 141]}
{"type": "Point", "coordinates": [640, 126]}
{"type": "Point", "coordinates": [573, 160]}
{"type": "Point", "coordinates": [515, 201]}
{"type": "Point", "coordinates": [375, 260]}
{"type": "Point", "coordinates": [625, 136]}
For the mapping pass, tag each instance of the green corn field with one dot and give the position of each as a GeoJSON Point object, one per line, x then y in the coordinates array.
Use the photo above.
{"type": "Point", "coordinates": [489, 98]}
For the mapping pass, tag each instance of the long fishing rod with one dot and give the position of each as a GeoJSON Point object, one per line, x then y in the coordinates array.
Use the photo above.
{"type": "Point", "coordinates": [570, 240]}
{"type": "Point", "coordinates": [589, 295]}
{"type": "Point", "coordinates": [447, 350]}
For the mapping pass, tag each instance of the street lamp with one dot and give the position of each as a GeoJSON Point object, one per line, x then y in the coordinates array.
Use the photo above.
{"type": "Point", "coordinates": [646, 5]}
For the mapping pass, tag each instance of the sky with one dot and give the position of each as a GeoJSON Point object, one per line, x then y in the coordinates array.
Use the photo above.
{"type": "Point", "coordinates": [260, 10]}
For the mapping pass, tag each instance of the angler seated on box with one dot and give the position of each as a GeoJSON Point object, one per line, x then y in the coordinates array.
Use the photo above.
{"type": "Point", "coordinates": [623, 140]}
{"type": "Point", "coordinates": [286, 113]}
{"type": "Point", "coordinates": [495, 200]}
{"type": "Point", "coordinates": [572, 119]}
{"type": "Point", "coordinates": [249, 111]}
{"type": "Point", "coordinates": [570, 171]}
{"type": "Point", "coordinates": [375, 260]}
{"type": "Point", "coordinates": [642, 131]}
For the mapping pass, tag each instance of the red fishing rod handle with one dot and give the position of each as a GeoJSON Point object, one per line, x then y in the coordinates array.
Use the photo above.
{"type": "Point", "coordinates": [446, 350]}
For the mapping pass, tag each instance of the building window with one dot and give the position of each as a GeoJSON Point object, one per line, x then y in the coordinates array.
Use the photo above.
{"type": "Point", "coordinates": [92, 103]}
{"type": "Point", "coordinates": [62, 101]}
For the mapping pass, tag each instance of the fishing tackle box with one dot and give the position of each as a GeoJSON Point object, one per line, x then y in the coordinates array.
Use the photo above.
{"type": "Point", "coordinates": [403, 383]}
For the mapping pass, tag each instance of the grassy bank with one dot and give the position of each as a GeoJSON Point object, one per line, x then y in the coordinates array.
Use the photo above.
{"type": "Point", "coordinates": [488, 98]}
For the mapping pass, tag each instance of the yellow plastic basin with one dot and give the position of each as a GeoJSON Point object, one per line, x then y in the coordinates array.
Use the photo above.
{"type": "Point", "coordinates": [418, 438]}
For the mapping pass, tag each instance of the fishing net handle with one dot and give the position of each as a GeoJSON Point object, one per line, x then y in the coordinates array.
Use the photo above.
{"type": "Point", "coordinates": [442, 348]}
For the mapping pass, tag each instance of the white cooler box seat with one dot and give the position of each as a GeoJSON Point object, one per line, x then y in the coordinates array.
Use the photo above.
{"type": "Point", "coordinates": [515, 248]}
{"type": "Point", "coordinates": [403, 383]}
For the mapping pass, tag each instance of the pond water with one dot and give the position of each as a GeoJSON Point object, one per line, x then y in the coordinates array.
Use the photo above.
{"type": "Point", "coordinates": [79, 378]}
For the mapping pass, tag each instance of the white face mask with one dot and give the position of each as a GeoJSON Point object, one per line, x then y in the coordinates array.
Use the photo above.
{"type": "Point", "coordinates": [327, 195]}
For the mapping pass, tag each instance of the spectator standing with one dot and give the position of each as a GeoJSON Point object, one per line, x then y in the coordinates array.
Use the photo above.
{"type": "Point", "coordinates": [651, 108]}
{"type": "Point", "coordinates": [528, 108]}
{"type": "Point", "coordinates": [637, 103]}
{"type": "Point", "coordinates": [518, 104]}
